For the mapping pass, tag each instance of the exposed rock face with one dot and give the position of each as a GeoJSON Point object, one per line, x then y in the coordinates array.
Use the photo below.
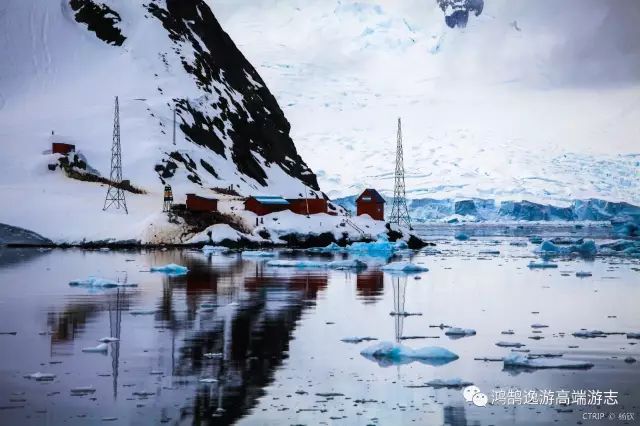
{"type": "Point", "coordinates": [100, 19]}
{"type": "Point", "coordinates": [456, 12]}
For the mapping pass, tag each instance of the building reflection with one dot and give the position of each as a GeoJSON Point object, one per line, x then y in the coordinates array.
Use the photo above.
{"type": "Point", "coordinates": [370, 285]}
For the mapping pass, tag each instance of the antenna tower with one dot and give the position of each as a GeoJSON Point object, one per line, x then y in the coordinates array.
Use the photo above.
{"type": "Point", "coordinates": [399, 211]}
{"type": "Point", "coordinates": [115, 193]}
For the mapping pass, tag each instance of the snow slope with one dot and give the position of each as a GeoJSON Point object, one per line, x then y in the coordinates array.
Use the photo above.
{"type": "Point", "coordinates": [66, 60]}
{"type": "Point", "coordinates": [534, 100]}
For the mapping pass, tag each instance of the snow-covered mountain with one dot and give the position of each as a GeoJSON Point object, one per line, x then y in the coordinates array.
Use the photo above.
{"type": "Point", "coordinates": [533, 100]}
{"type": "Point", "coordinates": [63, 63]}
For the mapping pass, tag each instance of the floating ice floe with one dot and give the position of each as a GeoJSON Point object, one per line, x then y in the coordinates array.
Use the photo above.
{"type": "Point", "coordinates": [503, 344]}
{"type": "Point", "coordinates": [208, 380]}
{"type": "Point", "coordinates": [541, 265]}
{"type": "Point", "coordinates": [583, 274]}
{"type": "Point", "coordinates": [258, 253]}
{"type": "Point", "coordinates": [624, 247]}
{"type": "Point", "coordinates": [387, 353]}
{"type": "Point", "coordinates": [508, 332]}
{"type": "Point", "coordinates": [460, 332]}
{"type": "Point", "coordinates": [381, 247]}
{"type": "Point", "coordinates": [331, 248]}
{"type": "Point", "coordinates": [454, 383]}
{"type": "Point", "coordinates": [538, 325]}
{"type": "Point", "coordinates": [41, 377]}
{"type": "Point", "coordinates": [406, 267]}
{"type": "Point", "coordinates": [108, 339]}
{"type": "Point", "coordinates": [101, 348]}
{"type": "Point", "coordinates": [518, 243]}
{"type": "Point", "coordinates": [523, 361]}
{"type": "Point", "coordinates": [215, 249]}
{"type": "Point", "coordinates": [633, 335]}
{"type": "Point", "coordinates": [489, 252]}
{"type": "Point", "coordinates": [586, 248]}
{"type": "Point", "coordinates": [589, 334]}
{"type": "Point", "coordinates": [171, 269]}
{"type": "Point", "coordinates": [99, 283]}
{"type": "Point", "coordinates": [461, 236]}
{"type": "Point", "coordinates": [357, 339]}
{"type": "Point", "coordinates": [336, 264]}
{"type": "Point", "coordinates": [630, 360]}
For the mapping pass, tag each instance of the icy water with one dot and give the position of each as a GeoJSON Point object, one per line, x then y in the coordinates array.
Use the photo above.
{"type": "Point", "coordinates": [278, 335]}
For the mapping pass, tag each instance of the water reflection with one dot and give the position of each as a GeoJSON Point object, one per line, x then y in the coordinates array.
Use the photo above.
{"type": "Point", "coordinates": [370, 285]}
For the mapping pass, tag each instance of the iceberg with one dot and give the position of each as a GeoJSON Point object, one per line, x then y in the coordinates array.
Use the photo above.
{"type": "Point", "coordinates": [460, 332]}
{"type": "Point", "coordinates": [522, 361]}
{"type": "Point", "coordinates": [586, 248]}
{"type": "Point", "coordinates": [101, 348]}
{"type": "Point", "coordinates": [171, 269]}
{"type": "Point", "coordinates": [258, 253]}
{"type": "Point", "coordinates": [99, 283]}
{"type": "Point", "coordinates": [461, 236]}
{"type": "Point", "coordinates": [404, 266]}
{"type": "Point", "coordinates": [331, 248]}
{"type": "Point", "coordinates": [387, 353]}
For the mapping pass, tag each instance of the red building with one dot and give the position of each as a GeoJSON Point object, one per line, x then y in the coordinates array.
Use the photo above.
{"type": "Point", "coordinates": [262, 205]}
{"type": "Point", "coordinates": [62, 148]}
{"type": "Point", "coordinates": [196, 203]}
{"type": "Point", "coordinates": [371, 202]}
{"type": "Point", "coordinates": [308, 205]}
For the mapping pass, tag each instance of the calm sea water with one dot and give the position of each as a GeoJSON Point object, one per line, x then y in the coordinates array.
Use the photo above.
{"type": "Point", "coordinates": [278, 333]}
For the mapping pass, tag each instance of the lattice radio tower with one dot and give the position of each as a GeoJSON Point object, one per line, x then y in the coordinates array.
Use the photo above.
{"type": "Point", "coordinates": [115, 193]}
{"type": "Point", "coordinates": [399, 211]}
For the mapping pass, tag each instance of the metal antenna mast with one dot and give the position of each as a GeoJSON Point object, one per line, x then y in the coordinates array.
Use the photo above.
{"type": "Point", "coordinates": [399, 211]}
{"type": "Point", "coordinates": [115, 193]}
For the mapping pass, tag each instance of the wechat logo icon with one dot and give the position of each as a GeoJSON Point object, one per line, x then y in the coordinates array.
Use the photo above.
{"type": "Point", "coordinates": [473, 394]}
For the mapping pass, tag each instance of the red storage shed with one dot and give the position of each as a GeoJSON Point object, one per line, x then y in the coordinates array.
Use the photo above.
{"type": "Point", "coordinates": [265, 204]}
{"type": "Point", "coordinates": [371, 202]}
{"type": "Point", "coordinates": [62, 148]}
{"type": "Point", "coordinates": [308, 205]}
{"type": "Point", "coordinates": [196, 203]}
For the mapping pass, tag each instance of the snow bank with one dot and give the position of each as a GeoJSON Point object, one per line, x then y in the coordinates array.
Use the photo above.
{"type": "Point", "coordinates": [170, 269]}
{"type": "Point", "coordinates": [404, 266]}
{"type": "Point", "coordinates": [99, 283]}
{"type": "Point", "coordinates": [523, 361]}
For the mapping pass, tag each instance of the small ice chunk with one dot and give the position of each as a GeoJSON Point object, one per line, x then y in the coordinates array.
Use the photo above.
{"type": "Point", "coordinates": [143, 312]}
{"type": "Point", "coordinates": [489, 252]}
{"type": "Point", "coordinates": [99, 283]}
{"type": "Point", "coordinates": [381, 247]}
{"type": "Point", "coordinates": [461, 236]}
{"type": "Point", "coordinates": [630, 360]}
{"type": "Point", "coordinates": [454, 383]}
{"type": "Point", "coordinates": [460, 332]}
{"type": "Point", "coordinates": [258, 253]}
{"type": "Point", "coordinates": [357, 339]}
{"type": "Point", "coordinates": [171, 269]}
{"type": "Point", "coordinates": [404, 266]}
{"type": "Point", "coordinates": [508, 332]}
{"type": "Point", "coordinates": [538, 325]}
{"type": "Point", "coordinates": [520, 360]}
{"type": "Point", "coordinates": [633, 335]}
{"type": "Point", "coordinates": [208, 380]}
{"type": "Point", "coordinates": [332, 247]}
{"type": "Point", "coordinates": [583, 274]}
{"type": "Point", "coordinates": [541, 265]}
{"type": "Point", "coordinates": [41, 377]}
{"type": "Point", "coordinates": [213, 355]}
{"type": "Point", "coordinates": [347, 264]}
{"type": "Point", "coordinates": [101, 348]}
{"type": "Point", "coordinates": [108, 339]}
{"type": "Point", "coordinates": [83, 390]}
{"type": "Point", "coordinates": [503, 344]}
{"type": "Point", "coordinates": [589, 334]}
